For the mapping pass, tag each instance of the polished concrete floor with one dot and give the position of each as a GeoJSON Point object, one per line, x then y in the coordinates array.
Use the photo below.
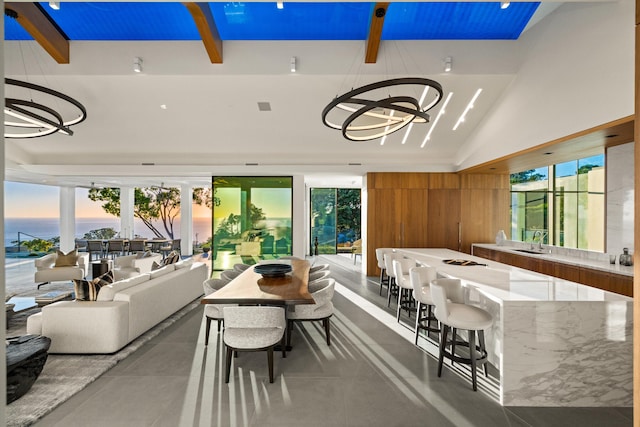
{"type": "Point", "coordinates": [369, 376]}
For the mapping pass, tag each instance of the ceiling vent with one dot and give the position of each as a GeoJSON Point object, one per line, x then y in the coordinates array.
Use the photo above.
{"type": "Point", "coordinates": [264, 106]}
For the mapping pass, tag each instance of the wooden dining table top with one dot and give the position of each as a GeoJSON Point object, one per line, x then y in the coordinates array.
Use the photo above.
{"type": "Point", "coordinates": [251, 288]}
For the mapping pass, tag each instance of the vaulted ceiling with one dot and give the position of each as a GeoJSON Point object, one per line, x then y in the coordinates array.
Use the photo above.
{"type": "Point", "coordinates": [216, 94]}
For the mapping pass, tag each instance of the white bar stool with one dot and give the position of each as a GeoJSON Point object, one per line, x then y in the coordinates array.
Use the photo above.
{"type": "Point", "coordinates": [401, 267]}
{"type": "Point", "coordinates": [421, 278]}
{"type": "Point", "coordinates": [453, 313]}
{"type": "Point", "coordinates": [384, 278]}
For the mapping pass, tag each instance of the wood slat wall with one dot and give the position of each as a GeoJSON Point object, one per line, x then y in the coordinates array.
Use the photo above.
{"type": "Point", "coordinates": [447, 210]}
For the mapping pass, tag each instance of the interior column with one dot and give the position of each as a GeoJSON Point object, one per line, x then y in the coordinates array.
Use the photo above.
{"type": "Point", "coordinates": [67, 218]}
{"type": "Point", "coordinates": [126, 212]}
{"type": "Point", "coordinates": [186, 220]}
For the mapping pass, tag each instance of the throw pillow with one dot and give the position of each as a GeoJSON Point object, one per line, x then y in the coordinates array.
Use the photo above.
{"type": "Point", "coordinates": [105, 279]}
{"type": "Point", "coordinates": [155, 266]}
{"type": "Point", "coordinates": [81, 288]}
{"type": "Point", "coordinates": [66, 260]}
{"type": "Point", "coordinates": [172, 258]}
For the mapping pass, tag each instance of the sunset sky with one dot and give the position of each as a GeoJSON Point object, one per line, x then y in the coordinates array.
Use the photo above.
{"type": "Point", "coordinates": [42, 201]}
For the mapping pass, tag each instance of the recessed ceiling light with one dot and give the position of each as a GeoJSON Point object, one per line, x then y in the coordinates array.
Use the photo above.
{"type": "Point", "coordinates": [163, 106]}
{"type": "Point", "coordinates": [55, 5]}
{"type": "Point", "coordinates": [264, 106]}
{"type": "Point", "coordinates": [505, 4]}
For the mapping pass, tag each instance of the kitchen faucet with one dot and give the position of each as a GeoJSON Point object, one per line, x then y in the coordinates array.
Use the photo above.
{"type": "Point", "coordinates": [541, 235]}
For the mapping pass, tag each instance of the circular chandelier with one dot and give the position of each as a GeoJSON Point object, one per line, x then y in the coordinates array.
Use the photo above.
{"type": "Point", "coordinates": [25, 118]}
{"type": "Point", "coordinates": [361, 118]}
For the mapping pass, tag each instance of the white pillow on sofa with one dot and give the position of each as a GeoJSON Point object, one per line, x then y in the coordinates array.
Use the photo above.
{"type": "Point", "coordinates": [162, 271]}
{"type": "Point", "coordinates": [108, 292]}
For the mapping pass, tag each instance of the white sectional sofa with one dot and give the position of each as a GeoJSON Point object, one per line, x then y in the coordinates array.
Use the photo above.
{"type": "Point", "coordinates": [123, 310]}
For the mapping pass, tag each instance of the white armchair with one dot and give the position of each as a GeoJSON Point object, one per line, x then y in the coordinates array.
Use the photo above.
{"type": "Point", "coordinates": [47, 271]}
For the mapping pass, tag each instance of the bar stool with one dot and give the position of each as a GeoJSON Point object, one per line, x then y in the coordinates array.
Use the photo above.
{"type": "Point", "coordinates": [453, 313]}
{"type": "Point", "coordinates": [420, 278]}
{"type": "Point", "coordinates": [384, 279]}
{"type": "Point", "coordinates": [388, 265]}
{"type": "Point", "coordinates": [401, 267]}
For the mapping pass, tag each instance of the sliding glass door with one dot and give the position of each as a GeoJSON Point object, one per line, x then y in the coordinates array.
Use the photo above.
{"type": "Point", "coordinates": [251, 219]}
{"type": "Point", "coordinates": [335, 219]}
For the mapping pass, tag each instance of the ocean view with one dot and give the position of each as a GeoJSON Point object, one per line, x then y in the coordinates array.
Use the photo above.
{"type": "Point", "coordinates": [47, 228]}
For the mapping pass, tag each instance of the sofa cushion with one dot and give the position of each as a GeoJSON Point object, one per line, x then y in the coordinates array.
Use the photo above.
{"type": "Point", "coordinates": [66, 260]}
{"type": "Point", "coordinates": [108, 292]}
{"type": "Point", "coordinates": [185, 263]}
{"type": "Point", "coordinates": [162, 271]}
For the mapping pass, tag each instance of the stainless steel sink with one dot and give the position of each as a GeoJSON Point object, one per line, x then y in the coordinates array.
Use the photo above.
{"type": "Point", "coordinates": [529, 251]}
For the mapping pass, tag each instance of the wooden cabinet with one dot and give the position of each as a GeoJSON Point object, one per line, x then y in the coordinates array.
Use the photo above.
{"type": "Point", "coordinates": [433, 210]}
{"type": "Point", "coordinates": [612, 282]}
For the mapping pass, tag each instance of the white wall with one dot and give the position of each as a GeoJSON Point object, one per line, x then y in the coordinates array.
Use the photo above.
{"type": "Point", "coordinates": [620, 200]}
{"type": "Point", "coordinates": [578, 73]}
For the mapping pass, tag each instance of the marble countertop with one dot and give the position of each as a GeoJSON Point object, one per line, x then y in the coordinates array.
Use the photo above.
{"type": "Point", "coordinates": [504, 283]}
{"type": "Point", "coordinates": [588, 260]}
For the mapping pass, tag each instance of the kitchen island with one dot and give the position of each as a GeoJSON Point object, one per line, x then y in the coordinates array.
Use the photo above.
{"type": "Point", "coordinates": [555, 342]}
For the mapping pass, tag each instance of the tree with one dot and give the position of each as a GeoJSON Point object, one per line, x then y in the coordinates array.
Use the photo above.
{"type": "Point", "coordinates": [38, 245]}
{"type": "Point", "coordinates": [349, 210]}
{"type": "Point", "coordinates": [100, 234]}
{"type": "Point", "coordinates": [526, 176]}
{"type": "Point", "coordinates": [152, 203]}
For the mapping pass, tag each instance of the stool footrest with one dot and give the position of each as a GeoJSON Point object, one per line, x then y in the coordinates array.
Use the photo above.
{"type": "Point", "coordinates": [466, 360]}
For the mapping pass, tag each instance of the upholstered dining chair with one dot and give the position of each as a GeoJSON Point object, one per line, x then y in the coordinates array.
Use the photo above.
{"type": "Point", "coordinates": [319, 267]}
{"type": "Point", "coordinates": [322, 310]}
{"type": "Point", "coordinates": [318, 275]}
{"type": "Point", "coordinates": [253, 328]}
{"type": "Point", "coordinates": [229, 275]}
{"type": "Point", "coordinates": [241, 267]}
{"type": "Point", "coordinates": [213, 311]}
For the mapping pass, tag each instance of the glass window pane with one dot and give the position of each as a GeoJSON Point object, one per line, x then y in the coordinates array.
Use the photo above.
{"type": "Point", "coordinates": [323, 220]}
{"type": "Point", "coordinates": [566, 176]}
{"type": "Point", "coordinates": [251, 219]}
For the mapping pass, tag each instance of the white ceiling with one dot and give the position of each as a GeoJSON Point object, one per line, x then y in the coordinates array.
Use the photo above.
{"type": "Point", "coordinates": [212, 125]}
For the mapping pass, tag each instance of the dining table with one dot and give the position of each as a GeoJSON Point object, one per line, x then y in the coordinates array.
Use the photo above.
{"type": "Point", "coordinates": [252, 288]}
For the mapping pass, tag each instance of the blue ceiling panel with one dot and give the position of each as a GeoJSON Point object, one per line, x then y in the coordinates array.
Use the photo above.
{"type": "Point", "coordinates": [14, 31]}
{"type": "Point", "coordinates": [124, 21]}
{"type": "Point", "coordinates": [295, 21]}
{"type": "Point", "coordinates": [456, 21]}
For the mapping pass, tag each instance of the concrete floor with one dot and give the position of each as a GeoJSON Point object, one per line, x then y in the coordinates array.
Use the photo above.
{"type": "Point", "coordinates": [369, 376]}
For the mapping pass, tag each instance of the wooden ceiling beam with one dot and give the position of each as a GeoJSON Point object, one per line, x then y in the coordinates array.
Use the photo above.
{"type": "Point", "coordinates": [375, 32]}
{"type": "Point", "coordinates": [203, 18]}
{"type": "Point", "coordinates": [41, 27]}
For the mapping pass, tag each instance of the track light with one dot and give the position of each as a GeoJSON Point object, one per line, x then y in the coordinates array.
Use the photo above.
{"type": "Point", "coordinates": [137, 64]}
{"type": "Point", "coordinates": [447, 64]}
{"type": "Point", "coordinates": [293, 64]}
{"type": "Point", "coordinates": [505, 4]}
{"type": "Point", "coordinates": [55, 5]}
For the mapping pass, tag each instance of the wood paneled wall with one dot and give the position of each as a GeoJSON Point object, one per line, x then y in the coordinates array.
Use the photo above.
{"type": "Point", "coordinates": [437, 210]}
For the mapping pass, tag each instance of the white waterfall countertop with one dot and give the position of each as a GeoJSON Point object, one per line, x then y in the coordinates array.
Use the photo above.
{"type": "Point", "coordinates": [554, 342]}
{"type": "Point", "coordinates": [502, 282]}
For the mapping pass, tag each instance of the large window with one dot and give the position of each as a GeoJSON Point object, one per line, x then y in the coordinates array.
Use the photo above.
{"type": "Point", "coordinates": [251, 219]}
{"type": "Point", "coordinates": [562, 205]}
{"type": "Point", "coordinates": [335, 219]}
